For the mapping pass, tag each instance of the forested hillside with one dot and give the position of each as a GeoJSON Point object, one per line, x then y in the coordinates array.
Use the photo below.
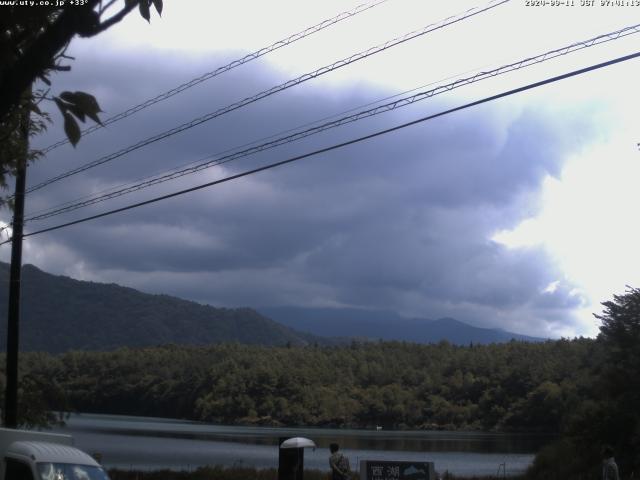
{"type": "Point", "coordinates": [513, 386]}
{"type": "Point", "coordinates": [60, 313]}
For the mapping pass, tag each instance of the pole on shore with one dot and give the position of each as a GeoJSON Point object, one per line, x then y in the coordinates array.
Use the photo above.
{"type": "Point", "coordinates": [13, 318]}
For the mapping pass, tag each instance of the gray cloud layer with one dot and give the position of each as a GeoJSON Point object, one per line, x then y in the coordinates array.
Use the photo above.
{"type": "Point", "coordinates": [403, 222]}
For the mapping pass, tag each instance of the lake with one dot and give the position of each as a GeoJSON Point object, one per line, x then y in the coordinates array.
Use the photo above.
{"type": "Point", "coordinates": [153, 443]}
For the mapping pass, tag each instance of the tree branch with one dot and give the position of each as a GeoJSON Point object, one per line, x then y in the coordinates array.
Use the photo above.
{"type": "Point", "coordinates": [116, 18]}
{"type": "Point", "coordinates": [106, 7]}
{"type": "Point", "coordinates": [37, 57]}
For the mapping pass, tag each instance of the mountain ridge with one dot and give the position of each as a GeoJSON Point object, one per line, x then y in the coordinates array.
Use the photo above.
{"type": "Point", "coordinates": [59, 313]}
{"type": "Point", "coordinates": [386, 325]}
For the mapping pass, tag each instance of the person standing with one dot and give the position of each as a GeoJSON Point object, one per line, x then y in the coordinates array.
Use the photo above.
{"type": "Point", "coordinates": [609, 465]}
{"type": "Point", "coordinates": [339, 463]}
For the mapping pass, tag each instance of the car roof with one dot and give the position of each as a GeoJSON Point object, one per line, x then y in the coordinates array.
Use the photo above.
{"type": "Point", "coordinates": [50, 452]}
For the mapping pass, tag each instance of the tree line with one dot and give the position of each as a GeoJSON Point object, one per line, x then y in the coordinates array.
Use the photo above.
{"type": "Point", "coordinates": [513, 386]}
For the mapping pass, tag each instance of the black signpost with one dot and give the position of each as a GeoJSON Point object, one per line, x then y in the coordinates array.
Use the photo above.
{"type": "Point", "coordinates": [290, 462]}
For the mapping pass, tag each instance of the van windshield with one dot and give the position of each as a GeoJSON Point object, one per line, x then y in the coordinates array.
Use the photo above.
{"type": "Point", "coordinates": [69, 471]}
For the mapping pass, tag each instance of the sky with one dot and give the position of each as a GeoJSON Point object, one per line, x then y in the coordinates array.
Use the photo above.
{"type": "Point", "coordinates": [516, 214]}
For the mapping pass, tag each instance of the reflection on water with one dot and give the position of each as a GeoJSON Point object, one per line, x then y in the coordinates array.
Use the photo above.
{"type": "Point", "coordinates": [147, 443]}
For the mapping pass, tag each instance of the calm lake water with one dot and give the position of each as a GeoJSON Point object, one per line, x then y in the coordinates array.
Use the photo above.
{"type": "Point", "coordinates": [153, 443]}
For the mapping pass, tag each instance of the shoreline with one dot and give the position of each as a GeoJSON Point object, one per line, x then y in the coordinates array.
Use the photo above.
{"type": "Point", "coordinates": [244, 473]}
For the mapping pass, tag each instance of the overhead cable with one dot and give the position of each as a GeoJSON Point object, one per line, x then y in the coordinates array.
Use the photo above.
{"type": "Point", "coordinates": [216, 159]}
{"type": "Point", "coordinates": [266, 93]}
{"type": "Point", "coordinates": [340, 145]}
{"type": "Point", "coordinates": [225, 68]}
{"type": "Point", "coordinates": [113, 188]}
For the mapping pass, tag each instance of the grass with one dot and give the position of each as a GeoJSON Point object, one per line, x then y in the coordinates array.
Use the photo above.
{"type": "Point", "coordinates": [211, 473]}
{"type": "Point", "coordinates": [247, 473]}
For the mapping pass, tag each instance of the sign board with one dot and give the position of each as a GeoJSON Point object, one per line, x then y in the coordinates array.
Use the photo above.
{"type": "Point", "coordinates": [388, 470]}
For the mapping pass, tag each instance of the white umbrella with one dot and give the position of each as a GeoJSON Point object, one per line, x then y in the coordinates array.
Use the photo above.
{"type": "Point", "coordinates": [298, 442]}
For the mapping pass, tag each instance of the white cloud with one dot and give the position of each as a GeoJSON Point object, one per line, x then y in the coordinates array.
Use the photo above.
{"type": "Point", "coordinates": [587, 222]}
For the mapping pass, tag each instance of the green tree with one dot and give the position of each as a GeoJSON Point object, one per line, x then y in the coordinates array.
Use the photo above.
{"type": "Point", "coordinates": [32, 46]}
{"type": "Point", "coordinates": [601, 407]}
{"type": "Point", "coordinates": [620, 375]}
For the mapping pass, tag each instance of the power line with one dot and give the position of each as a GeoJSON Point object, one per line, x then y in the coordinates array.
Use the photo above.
{"type": "Point", "coordinates": [399, 103]}
{"type": "Point", "coordinates": [291, 83]}
{"type": "Point", "coordinates": [195, 166]}
{"type": "Point", "coordinates": [225, 68]}
{"type": "Point", "coordinates": [109, 190]}
{"type": "Point", "coordinates": [343, 144]}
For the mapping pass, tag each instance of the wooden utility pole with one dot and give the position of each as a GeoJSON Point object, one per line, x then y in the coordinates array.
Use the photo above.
{"type": "Point", "coordinates": [13, 319]}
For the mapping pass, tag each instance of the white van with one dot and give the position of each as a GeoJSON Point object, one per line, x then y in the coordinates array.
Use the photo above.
{"type": "Point", "coordinates": [44, 456]}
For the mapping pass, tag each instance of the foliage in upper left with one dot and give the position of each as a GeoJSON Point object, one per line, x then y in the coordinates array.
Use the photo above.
{"type": "Point", "coordinates": [33, 42]}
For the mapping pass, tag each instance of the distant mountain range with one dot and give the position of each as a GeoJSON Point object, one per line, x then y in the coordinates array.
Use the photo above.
{"type": "Point", "coordinates": [386, 325]}
{"type": "Point", "coordinates": [59, 313]}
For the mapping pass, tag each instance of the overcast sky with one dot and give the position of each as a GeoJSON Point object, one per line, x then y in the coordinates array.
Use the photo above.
{"type": "Point", "coordinates": [519, 214]}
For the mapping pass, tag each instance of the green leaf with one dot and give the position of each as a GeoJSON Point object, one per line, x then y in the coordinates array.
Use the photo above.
{"type": "Point", "coordinates": [84, 103]}
{"type": "Point", "coordinates": [61, 105]}
{"type": "Point", "coordinates": [93, 117]}
{"type": "Point", "coordinates": [87, 101]}
{"type": "Point", "coordinates": [158, 5]}
{"type": "Point", "coordinates": [77, 112]}
{"type": "Point", "coordinates": [71, 128]}
{"type": "Point", "coordinates": [68, 97]}
{"type": "Point", "coordinates": [144, 10]}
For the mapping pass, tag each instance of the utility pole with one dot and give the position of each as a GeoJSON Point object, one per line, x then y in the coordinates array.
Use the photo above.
{"type": "Point", "coordinates": [13, 320]}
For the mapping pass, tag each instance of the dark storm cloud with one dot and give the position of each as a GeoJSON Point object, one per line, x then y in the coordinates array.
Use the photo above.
{"type": "Point", "coordinates": [402, 222]}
